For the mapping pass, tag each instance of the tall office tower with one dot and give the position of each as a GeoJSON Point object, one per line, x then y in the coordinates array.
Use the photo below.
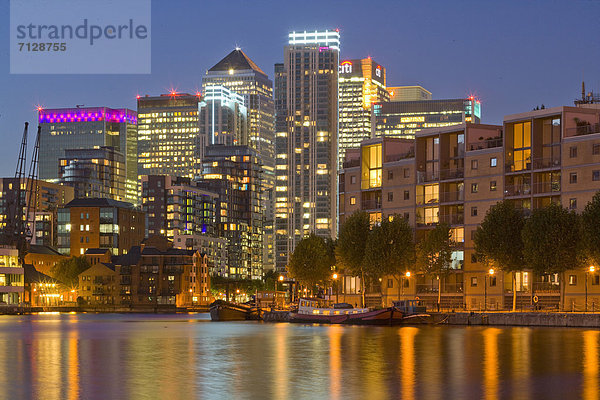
{"type": "Point", "coordinates": [362, 83]}
{"type": "Point", "coordinates": [86, 128]}
{"type": "Point", "coordinates": [306, 141]}
{"type": "Point", "coordinates": [98, 172]}
{"type": "Point", "coordinates": [404, 118]}
{"type": "Point", "coordinates": [234, 173]}
{"type": "Point", "coordinates": [408, 93]}
{"type": "Point", "coordinates": [223, 118]}
{"type": "Point", "coordinates": [168, 142]}
{"type": "Point", "coordinates": [240, 74]}
{"type": "Point", "coordinates": [177, 206]}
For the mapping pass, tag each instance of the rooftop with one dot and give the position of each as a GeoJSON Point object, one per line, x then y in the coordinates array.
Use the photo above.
{"type": "Point", "coordinates": [97, 202]}
{"type": "Point", "coordinates": [236, 60]}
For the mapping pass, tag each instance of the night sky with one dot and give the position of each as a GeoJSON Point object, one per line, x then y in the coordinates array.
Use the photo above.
{"type": "Point", "coordinates": [513, 55]}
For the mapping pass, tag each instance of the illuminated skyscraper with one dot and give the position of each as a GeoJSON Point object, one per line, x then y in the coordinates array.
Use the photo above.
{"type": "Point", "coordinates": [88, 128]}
{"type": "Point", "coordinates": [238, 73]}
{"type": "Point", "coordinates": [168, 135]}
{"type": "Point", "coordinates": [306, 140]}
{"type": "Point", "coordinates": [362, 83]}
{"type": "Point", "coordinates": [223, 117]}
{"type": "Point", "coordinates": [408, 93]}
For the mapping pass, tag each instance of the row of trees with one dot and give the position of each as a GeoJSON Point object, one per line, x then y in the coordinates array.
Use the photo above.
{"type": "Point", "coordinates": [372, 252]}
{"type": "Point", "coordinates": [552, 240]}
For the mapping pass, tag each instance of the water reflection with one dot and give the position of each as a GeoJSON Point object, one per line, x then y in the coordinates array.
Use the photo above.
{"type": "Point", "coordinates": [181, 356]}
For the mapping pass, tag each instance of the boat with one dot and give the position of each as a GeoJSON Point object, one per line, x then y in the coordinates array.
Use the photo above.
{"type": "Point", "coordinates": [414, 311]}
{"type": "Point", "coordinates": [312, 311]}
{"type": "Point", "coordinates": [221, 310]}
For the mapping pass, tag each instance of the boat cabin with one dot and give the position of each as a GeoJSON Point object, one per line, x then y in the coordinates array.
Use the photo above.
{"type": "Point", "coordinates": [317, 307]}
{"type": "Point", "coordinates": [410, 306]}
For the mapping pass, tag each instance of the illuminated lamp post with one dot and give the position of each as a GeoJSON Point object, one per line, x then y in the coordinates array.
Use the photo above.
{"type": "Point", "coordinates": [335, 277]}
{"type": "Point", "coordinates": [280, 280]}
{"type": "Point", "coordinates": [591, 269]}
{"type": "Point", "coordinates": [490, 273]}
{"type": "Point", "coordinates": [406, 275]}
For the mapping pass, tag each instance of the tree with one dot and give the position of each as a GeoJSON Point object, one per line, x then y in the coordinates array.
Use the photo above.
{"type": "Point", "coordinates": [67, 270]}
{"type": "Point", "coordinates": [390, 249]}
{"type": "Point", "coordinates": [434, 254]}
{"type": "Point", "coordinates": [590, 229]}
{"type": "Point", "coordinates": [311, 261]}
{"type": "Point", "coordinates": [551, 242]}
{"type": "Point", "coordinates": [498, 240]}
{"type": "Point", "coordinates": [351, 244]}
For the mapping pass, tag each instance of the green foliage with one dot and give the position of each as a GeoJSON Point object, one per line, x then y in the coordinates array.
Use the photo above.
{"type": "Point", "coordinates": [590, 224]}
{"type": "Point", "coordinates": [434, 251]}
{"type": "Point", "coordinates": [351, 244]}
{"type": "Point", "coordinates": [250, 286]}
{"type": "Point", "coordinates": [390, 248]}
{"type": "Point", "coordinates": [498, 238]}
{"type": "Point", "coordinates": [311, 261]}
{"type": "Point", "coordinates": [270, 279]}
{"type": "Point", "coordinates": [67, 270]}
{"type": "Point", "coordinates": [551, 240]}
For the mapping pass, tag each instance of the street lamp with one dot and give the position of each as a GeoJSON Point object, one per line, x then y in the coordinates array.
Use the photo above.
{"type": "Point", "coordinates": [591, 269]}
{"type": "Point", "coordinates": [485, 278]}
{"type": "Point", "coordinates": [407, 275]}
{"type": "Point", "coordinates": [335, 276]}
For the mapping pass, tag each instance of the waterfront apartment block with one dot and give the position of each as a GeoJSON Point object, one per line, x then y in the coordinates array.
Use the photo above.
{"type": "Point", "coordinates": [91, 223]}
{"type": "Point", "coordinates": [168, 135]}
{"type": "Point", "coordinates": [455, 174]}
{"type": "Point", "coordinates": [11, 276]}
{"type": "Point", "coordinates": [361, 83]}
{"type": "Point", "coordinates": [306, 140]}
{"type": "Point", "coordinates": [87, 128]}
{"type": "Point", "coordinates": [408, 93]}
{"type": "Point", "coordinates": [214, 247]}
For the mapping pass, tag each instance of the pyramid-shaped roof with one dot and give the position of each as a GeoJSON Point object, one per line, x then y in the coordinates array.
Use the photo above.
{"type": "Point", "coordinates": [236, 60]}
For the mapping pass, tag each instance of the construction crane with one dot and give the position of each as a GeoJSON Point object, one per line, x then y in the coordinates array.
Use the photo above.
{"type": "Point", "coordinates": [21, 206]}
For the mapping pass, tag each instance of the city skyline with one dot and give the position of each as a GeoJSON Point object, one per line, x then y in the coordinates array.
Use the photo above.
{"type": "Point", "coordinates": [540, 76]}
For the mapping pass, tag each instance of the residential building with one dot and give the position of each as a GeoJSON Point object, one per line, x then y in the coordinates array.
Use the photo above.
{"type": "Point", "coordinates": [99, 285]}
{"type": "Point", "coordinates": [43, 258]}
{"type": "Point", "coordinates": [361, 83]}
{"type": "Point", "coordinates": [306, 140]}
{"type": "Point", "coordinates": [405, 118]}
{"type": "Point", "coordinates": [87, 128]}
{"type": "Point", "coordinates": [99, 223]}
{"type": "Point", "coordinates": [238, 73]}
{"type": "Point", "coordinates": [408, 93]}
{"type": "Point", "coordinates": [41, 290]}
{"type": "Point", "coordinates": [11, 276]}
{"type": "Point", "coordinates": [214, 247]}
{"type": "Point", "coordinates": [223, 117]}
{"type": "Point", "coordinates": [177, 206]}
{"type": "Point", "coordinates": [97, 172]}
{"type": "Point", "coordinates": [234, 174]}
{"type": "Point", "coordinates": [168, 135]}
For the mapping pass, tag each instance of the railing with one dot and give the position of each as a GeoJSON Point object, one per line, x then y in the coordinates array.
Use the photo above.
{"type": "Point", "coordinates": [451, 219]}
{"type": "Point", "coordinates": [371, 204]}
{"type": "Point", "coordinates": [549, 162]}
{"type": "Point", "coordinates": [398, 157]}
{"type": "Point", "coordinates": [517, 190]}
{"type": "Point", "coordinates": [486, 144]}
{"type": "Point", "coordinates": [351, 163]}
{"type": "Point", "coordinates": [424, 288]}
{"type": "Point", "coordinates": [522, 166]}
{"type": "Point", "coordinates": [427, 176]}
{"type": "Point", "coordinates": [126, 280]}
{"type": "Point", "coordinates": [546, 187]}
{"type": "Point", "coordinates": [172, 270]}
{"type": "Point", "coordinates": [443, 197]}
{"type": "Point", "coordinates": [583, 130]}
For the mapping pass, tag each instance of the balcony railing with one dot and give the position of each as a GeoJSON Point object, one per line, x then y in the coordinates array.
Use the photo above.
{"type": "Point", "coordinates": [372, 204]}
{"type": "Point", "coordinates": [583, 130]}
{"type": "Point", "coordinates": [398, 157]}
{"type": "Point", "coordinates": [486, 144]}
{"type": "Point", "coordinates": [517, 190]}
{"type": "Point", "coordinates": [172, 270]}
{"type": "Point", "coordinates": [451, 219]}
{"type": "Point", "coordinates": [539, 163]}
{"type": "Point", "coordinates": [351, 163]}
{"type": "Point", "coordinates": [446, 288]}
{"type": "Point", "coordinates": [443, 197]}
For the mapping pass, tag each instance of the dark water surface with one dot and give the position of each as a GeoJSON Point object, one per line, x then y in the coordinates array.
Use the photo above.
{"type": "Point", "coordinates": [112, 356]}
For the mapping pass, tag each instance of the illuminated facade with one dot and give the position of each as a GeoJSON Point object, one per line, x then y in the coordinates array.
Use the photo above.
{"type": "Point", "coordinates": [223, 117]}
{"type": "Point", "coordinates": [241, 75]}
{"type": "Point", "coordinates": [11, 276]}
{"type": "Point", "coordinates": [306, 140]}
{"type": "Point", "coordinates": [403, 119]}
{"type": "Point", "coordinates": [168, 135]}
{"type": "Point", "coordinates": [361, 83]}
{"type": "Point", "coordinates": [94, 172]}
{"type": "Point", "coordinates": [86, 128]}
{"type": "Point", "coordinates": [408, 93]}
{"type": "Point", "coordinates": [234, 174]}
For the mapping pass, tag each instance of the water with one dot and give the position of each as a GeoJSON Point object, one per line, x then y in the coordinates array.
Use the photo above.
{"type": "Point", "coordinates": [111, 356]}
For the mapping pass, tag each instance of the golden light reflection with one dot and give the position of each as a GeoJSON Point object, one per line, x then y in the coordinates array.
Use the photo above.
{"type": "Point", "coordinates": [521, 363]}
{"type": "Point", "coordinates": [335, 361]}
{"type": "Point", "coordinates": [490, 363]}
{"type": "Point", "coordinates": [281, 381]}
{"type": "Point", "coordinates": [407, 361]}
{"type": "Point", "coordinates": [590, 365]}
{"type": "Point", "coordinates": [73, 367]}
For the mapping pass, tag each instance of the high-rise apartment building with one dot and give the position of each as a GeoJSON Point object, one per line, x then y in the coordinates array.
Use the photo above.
{"type": "Point", "coordinates": [98, 172]}
{"type": "Point", "coordinates": [87, 128]}
{"type": "Point", "coordinates": [168, 139]}
{"type": "Point", "coordinates": [307, 140]}
{"type": "Point", "coordinates": [223, 117]}
{"type": "Point", "coordinates": [361, 83]}
{"type": "Point", "coordinates": [404, 118]}
{"type": "Point", "coordinates": [408, 93]}
{"type": "Point", "coordinates": [241, 75]}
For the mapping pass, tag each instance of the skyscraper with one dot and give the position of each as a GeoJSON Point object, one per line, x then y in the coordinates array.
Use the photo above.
{"type": "Point", "coordinates": [241, 75]}
{"type": "Point", "coordinates": [306, 140]}
{"type": "Point", "coordinates": [88, 128]}
{"type": "Point", "coordinates": [408, 93]}
{"type": "Point", "coordinates": [362, 83]}
{"type": "Point", "coordinates": [223, 117]}
{"type": "Point", "coordinates": [168, 139]}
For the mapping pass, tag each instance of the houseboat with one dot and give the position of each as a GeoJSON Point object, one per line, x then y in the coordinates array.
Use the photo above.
{"type": "Point", "coordinates": [313, 311]}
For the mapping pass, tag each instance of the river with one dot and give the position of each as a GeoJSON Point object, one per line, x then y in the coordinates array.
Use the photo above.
{"type": "Point", "coordinates": [185, 356]}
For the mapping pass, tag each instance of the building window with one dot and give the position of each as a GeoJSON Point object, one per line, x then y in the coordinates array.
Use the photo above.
{"type": "Point", "coordinates": [407, 172]}
{"type": "Point", "coordinates": [473, 211]}
{"type": "Point", "coordinates": [390, 196]}
{"type": "Point", "coordinates": [390, 283]}
{"type": "Point", "coordinates": [473, 258]}
{"type": "Point", "coordinates": [573, 204]}
{"type": "Point", "coordinates": [573, 177]}
{"type": "Point", "coordinates": [406, 216]}
{"type": "Point", "coordinates": [596, 175]}
{"type": "Point", "coordinates": [352, 200]}
{"type": "Point", "coordinates": [493, 162]}
{"type": "Point", "coordinates": [353, 179]}
{"type": "Point", "coordinates": [473, 234]}
{"type": "Point", "coordinates": [474, 164]}
{"type": "Point", "coordinates": [406, 195]}
{"type": "Point", "coordinates": [573, 151]}
{"type": "Point", "coordinates": [390, 175]}
{"type": "Point", "coordinates": [473, 281]}
{"type": "Point", "coordinates": [595, 279]}
{"type": "Point", "coordinates": [572, 280]}
{"type": "Point", "coordinates": [492, 281]}
{"type": "Point", "coordinates": [492, 186]}
{"type": "Point", "coordinates": [596, 149]}
{"type": "Point", "coordinates": [474, 187]}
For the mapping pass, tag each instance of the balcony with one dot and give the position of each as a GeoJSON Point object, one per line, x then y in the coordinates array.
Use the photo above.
{"type": "Point", "coordinates": [444, 174]}
{"type": "Point", "coordinates": [517, 190]}
{"type": "Point", "coordinates": [454, 173]}
{"type": "Point", "coordinates": [172, 270]}
{"type": "Point", "coordinates": [371, 204]}
{"type": "Point", "coordinates": [351, 163]}
{"type": "Point", "coordinates": [546, 187]}
{"type": "Point", "coordinates": [427, 176]}
{"type": "Point", "coordinates": [542, 163]}
{"type": "Point", "coordinates": [398, 157]}
{"type": "Point", "coordinates": [583, 130]}
{"type": "Point", "coordinates": [450, 219]}
{"type": "Point", "coordinates": [486, 144]}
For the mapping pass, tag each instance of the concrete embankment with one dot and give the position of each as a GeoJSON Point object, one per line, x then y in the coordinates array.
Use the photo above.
{"type": "Point", "coordinates": [581, 320]}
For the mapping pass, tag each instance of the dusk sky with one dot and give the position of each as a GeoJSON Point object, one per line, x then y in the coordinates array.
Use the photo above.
{"type": "Point", "coordinates": [513, 55]}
